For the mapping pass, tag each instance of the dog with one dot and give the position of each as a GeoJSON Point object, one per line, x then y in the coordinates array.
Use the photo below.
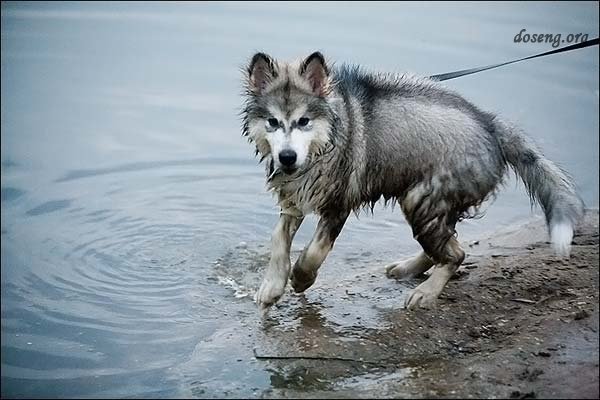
{"type": "Point", "coordinates": [335, 140]}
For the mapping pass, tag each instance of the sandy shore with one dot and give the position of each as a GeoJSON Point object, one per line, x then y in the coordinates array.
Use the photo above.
{"type": "Point", "coordinates": [516, 322]}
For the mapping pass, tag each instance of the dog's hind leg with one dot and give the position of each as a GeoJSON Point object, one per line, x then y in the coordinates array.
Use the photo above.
{"type": "Point", "coordinates": [408, 269]}
{"type": "Point", "coordinates": [449, 259]}
{"type": "Point", "coordinates": [273, 284]}
{"type": "Point", "coordinates": [305, 269]}
{"type": "Point", "coordinates": [432, 219]}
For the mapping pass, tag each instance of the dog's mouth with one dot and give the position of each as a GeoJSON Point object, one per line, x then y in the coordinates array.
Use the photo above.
{"type": "Point", "coordinates": [280, 171]}
{"type": "Point", "coordinates": [288, 170]}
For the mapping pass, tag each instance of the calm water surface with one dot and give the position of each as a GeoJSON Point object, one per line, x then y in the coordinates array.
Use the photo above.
{"type": "Point", "coordinates": [135, 221]}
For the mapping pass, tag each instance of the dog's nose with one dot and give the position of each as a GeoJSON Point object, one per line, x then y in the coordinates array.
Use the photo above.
{"type": "Point", "coordinates": [287, 157]}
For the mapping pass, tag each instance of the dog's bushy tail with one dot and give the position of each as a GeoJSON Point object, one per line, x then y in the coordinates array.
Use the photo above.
{"type": "Point", "coordinates": [546, 184]}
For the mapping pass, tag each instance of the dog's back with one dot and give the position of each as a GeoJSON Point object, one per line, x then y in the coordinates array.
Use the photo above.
{"type": "Point", "coordinates": [414, 132]}
{"type": "Point", "coordinates": [439, 154]}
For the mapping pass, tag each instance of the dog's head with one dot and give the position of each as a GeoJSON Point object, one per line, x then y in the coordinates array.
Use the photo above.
{"type": "Point", "coordinates": [287, 115]}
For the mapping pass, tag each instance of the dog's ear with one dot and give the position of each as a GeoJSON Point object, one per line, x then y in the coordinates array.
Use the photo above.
{"type": "Point", "coordinates": [314, 69]}
{"type": "Point", "coordinates": [261, 71]}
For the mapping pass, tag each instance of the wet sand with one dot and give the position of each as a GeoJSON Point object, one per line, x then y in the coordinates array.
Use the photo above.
{"type": "Point", "coordinates": [515, 322]}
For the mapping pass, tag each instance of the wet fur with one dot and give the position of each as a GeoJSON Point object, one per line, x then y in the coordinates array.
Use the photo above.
{"type": "Point", "coordinates": [402, 138]}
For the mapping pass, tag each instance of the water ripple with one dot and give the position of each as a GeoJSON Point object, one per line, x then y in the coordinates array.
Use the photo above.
{"type": "Point", "coordinates": [49, 206]}
{"type": "Point", "coordinates": [109, 278]}
{"type": "Point", "coordinates": [142, 166]}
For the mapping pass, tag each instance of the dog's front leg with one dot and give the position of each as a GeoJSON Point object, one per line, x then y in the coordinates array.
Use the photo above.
{"type": "Point", "coordinates": [278, 270]}
{"type": "Point", "coordinates": [306, 267]}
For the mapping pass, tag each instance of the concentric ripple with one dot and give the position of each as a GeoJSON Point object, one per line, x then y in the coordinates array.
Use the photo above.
{"type": "Point", "coordinates": [112, 284]}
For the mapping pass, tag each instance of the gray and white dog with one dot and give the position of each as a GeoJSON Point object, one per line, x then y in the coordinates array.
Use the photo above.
{"type": "Point", "coordinates": [336, 140]}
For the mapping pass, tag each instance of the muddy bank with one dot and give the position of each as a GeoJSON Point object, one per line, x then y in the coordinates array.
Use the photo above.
{"type": "Point", "coordinates": [516, 321]}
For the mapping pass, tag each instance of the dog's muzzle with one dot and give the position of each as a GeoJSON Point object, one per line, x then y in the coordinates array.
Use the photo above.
{"type": "Point", "coordinates": [287, 158]}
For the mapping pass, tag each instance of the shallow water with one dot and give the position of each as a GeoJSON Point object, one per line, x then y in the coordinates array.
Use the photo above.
{"type": "Point", "coordinates": [135, 222]}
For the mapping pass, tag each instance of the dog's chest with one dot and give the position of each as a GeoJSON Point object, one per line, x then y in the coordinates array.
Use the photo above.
{"type": "Point", "coordinates": [312, 192]}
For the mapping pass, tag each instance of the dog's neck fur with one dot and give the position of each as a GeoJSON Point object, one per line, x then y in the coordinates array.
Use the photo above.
{"type": "Point", "coordinates": [331, 179]}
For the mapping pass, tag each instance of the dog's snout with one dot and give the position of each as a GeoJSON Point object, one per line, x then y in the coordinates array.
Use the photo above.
{"type": "Point", "coordinates": [287, 157]}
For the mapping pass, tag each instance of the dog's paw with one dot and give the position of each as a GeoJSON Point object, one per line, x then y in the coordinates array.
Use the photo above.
{"type": "Point", "coordinates": [424, 296]}
{"type": "Point", "coordinates": [410, 268]}
{"type": "Point", "coordinates": [268, 294]}
{"type": "Point", "coordinates": [397, 270]}
{"type": "Point", "coordinates": [420, 299]}
{"type": "Point", "coordinates": [302, 280]}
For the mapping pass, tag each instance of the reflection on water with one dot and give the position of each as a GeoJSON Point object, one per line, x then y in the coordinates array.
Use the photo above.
{"type": "Point", "coordinates": [135, 222]}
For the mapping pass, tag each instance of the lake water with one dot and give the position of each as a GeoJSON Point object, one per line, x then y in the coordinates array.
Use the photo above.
{"type": "Point", "coordinates": [135, 221]}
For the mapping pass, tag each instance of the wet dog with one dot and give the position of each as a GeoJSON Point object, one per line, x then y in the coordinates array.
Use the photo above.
{"type": "Point", "coordinates": [337, 139]}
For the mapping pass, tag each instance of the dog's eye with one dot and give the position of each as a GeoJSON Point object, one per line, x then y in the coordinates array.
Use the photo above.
{"type": "Point", "coordinates": [303, 121]}
{"type": "Point", "coordinates": [273, 122]}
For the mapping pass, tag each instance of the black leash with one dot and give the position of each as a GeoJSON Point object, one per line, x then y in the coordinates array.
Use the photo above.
{"type": "Point", "coordinates": [456, 74]}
